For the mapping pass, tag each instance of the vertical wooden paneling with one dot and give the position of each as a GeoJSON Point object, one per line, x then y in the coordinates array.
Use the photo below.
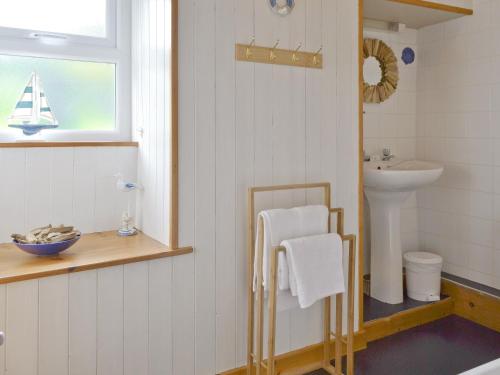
{"type": "Point", "coordinates": [38, 186]}
{"type": "Point", "coordinates": [83, 323]}
{"type": "Point", "coordinates": [3, 308]}
{"type": "Point", "coordinates": [110, 326]}
{"type": "Point", "coordinates": [58, 185]}
{"type": "Point", "coordinates": [225, 226]}
{"type": "Point", "coordinates": [62, 186]}
{"type": "Point", "coordinates": [84, 189]}
{"type": "Point", "coordinates": [151, 109]}
{"type": "Point", "coordinates": [53, 326]}
{"type": "Point", "coordinates": [205, 187]}
{"type": "Point", "coordinates": [160, 301]}
{"type": "Point", "coordinates": [135, 321]}
{"type": "Point", "coordinates": [12, 194]}
{"type": "Point", "coordinates": [244, 104]}
{"type": "Point", "coordinates": [22, 322]}
{"type": "Point", "coordinates": [183, 267]}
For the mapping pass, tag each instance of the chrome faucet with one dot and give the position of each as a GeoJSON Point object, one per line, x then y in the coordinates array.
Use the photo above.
{"type": "Point", "coordinates": [387, 154]}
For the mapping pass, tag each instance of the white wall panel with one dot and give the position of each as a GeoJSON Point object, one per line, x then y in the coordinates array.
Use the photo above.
{"type": "Point", "coordinates": [53, 315]}
{"type": "Point", "coordinates": [110, 324]}
{"type": "Point", "coordinates": [160, 341]}
{"type": "Point", "coordinates": [63, 185]}
{"type": "Point", "coordinates": [3, 310]}
{"type": "Point", "coordinates": [135, 319]}
{"type": "Point", "coordinates": [241, 124]}
{"type": "Point", "coordinates": [22, 322]}
{"type": "Point", "coordinates": [225, 189]}
{"type": "Point", "coordinates": [83, 323]}
{"type": "Point", "coordinates": [205, 187]}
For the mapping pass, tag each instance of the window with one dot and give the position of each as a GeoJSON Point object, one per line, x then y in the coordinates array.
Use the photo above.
{"type": "Point", "coordinates": [65, 63]}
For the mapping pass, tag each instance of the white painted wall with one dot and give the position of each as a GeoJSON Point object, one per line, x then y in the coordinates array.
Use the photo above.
{"type": "Point", "coordinates": [392, 124]}
{"type": "Point", "coordinates": [241, 125]}
{"type": "Point", "coordinates": [458, 110]}
{"type": "Point", "coordinates": [109, 321]}
{"type": "Point", "coordinates": [63, 185]}
{"type": "Point", "coordinates": [151, 109]}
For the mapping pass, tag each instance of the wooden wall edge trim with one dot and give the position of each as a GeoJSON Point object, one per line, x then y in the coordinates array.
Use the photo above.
{"type": "Point", "coordinates": [361, 199]}
{"type": "Point", "coordinates": [69, 144]}
{"type": "Point", "coordinates": [309, 357]}
{"type": "Point", "coordinates": [407, 319]}
{"type": "Point", "coordinates": [93, 266]}
{"type": "Point", "coordinates": [474, 305]}
{"type": "Point", "coordinates": [93, 251]}
{"type": "Point", "coordinates": [436, 6]}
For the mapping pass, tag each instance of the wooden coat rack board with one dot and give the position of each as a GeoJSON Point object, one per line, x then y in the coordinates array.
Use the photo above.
{"type": "Point", "coordinates": [273, 55]}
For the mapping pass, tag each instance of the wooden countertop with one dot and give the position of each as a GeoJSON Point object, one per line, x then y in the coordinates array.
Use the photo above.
{"type": "Point", "coordinates": [93, 251]}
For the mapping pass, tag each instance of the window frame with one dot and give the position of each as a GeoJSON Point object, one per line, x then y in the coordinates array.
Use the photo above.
{"type": "Point", "coordinates": [114, 49]}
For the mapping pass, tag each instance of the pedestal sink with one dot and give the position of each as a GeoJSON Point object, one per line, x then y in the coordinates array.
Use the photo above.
{"type": "Point", "coordinates": [387, 186]}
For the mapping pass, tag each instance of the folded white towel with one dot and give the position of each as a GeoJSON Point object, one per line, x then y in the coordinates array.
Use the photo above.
{"type": "Point", "coordinates": [315, 267]}
{"type": "Point", "coordinates": [282, 224]}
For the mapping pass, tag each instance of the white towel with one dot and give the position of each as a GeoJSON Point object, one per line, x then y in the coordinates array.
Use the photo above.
{"type": "Point", "coordinates": [279, 225]}
{"type": "Point", "coordinates": [315, 267]}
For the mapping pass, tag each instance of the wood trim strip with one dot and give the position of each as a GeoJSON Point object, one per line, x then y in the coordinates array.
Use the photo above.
{"type": "Point", "coordinates": [480, 307]}
{"type": "Point", "coordinates": [380, 328]}
{"type": "Point", "coordinates": [308, 358]}
{"type": "Point", "coordinates": [360, 165]}
{"type": "Point", "coordinates": [174, 135]}
{"type": "Point", "coordinates": [68, 144]}
{"type": "Point", "coordinates": [93, 251]}
{"type": "Point", "coordinates": [436, 6]}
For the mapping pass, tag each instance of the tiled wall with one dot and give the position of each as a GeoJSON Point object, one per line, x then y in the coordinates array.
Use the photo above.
{"type": "Point", "coordinates": [63, 185]}
{"type": "Point", "coordinates": [392, 124]}
{"type": "Point", "coordinates": [458, 125]}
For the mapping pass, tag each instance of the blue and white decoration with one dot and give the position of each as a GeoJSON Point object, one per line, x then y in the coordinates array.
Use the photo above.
{"type": "Point", "coordinates": [282, 7]}
{"type": "Point", "coordinates": [127, 227]}
{"type": "Point", "coordinates": [32, 113]}
{"type": "Point", "coordinates": [408, 56]}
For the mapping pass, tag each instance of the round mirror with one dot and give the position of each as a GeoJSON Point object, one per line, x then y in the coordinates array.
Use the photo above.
{"type": "Point", "coordinates": [372, 72]}
{"type": "Point", "coordinates": [380, 71]}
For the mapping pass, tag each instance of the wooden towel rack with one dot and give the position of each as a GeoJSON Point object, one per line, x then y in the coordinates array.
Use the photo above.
{"type": "Point", "coordinates": [255, 358]}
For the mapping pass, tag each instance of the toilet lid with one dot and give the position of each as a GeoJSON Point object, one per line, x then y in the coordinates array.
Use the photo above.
{"type": "Point", "coordinates": [422, 257]}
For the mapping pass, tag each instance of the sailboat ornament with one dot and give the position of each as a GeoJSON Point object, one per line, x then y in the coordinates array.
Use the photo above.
{"type": "Point", "coordinates": [32, 113]}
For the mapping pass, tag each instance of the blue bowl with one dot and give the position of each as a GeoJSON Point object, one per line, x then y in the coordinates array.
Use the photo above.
{"type": "Point", "coordinates": [47, 249]}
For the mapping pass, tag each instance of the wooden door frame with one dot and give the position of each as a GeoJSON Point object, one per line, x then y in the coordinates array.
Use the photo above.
{"type": "Point", "coordinates": [360, 167]}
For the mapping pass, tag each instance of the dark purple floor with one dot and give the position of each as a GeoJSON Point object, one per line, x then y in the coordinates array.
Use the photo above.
{"type": "Point", "coordinates": [445, 347]}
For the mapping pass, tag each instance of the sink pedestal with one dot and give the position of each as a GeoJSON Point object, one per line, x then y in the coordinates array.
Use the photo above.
{"type": "Point", "coordinates": [386, 264]}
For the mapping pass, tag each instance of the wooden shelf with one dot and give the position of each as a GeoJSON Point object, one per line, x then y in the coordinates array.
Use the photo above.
{"type": "Point", "coordinates": [96, 250]}
{"type": "Point", "coordinates": [68, 144]}
{"type": "Point", "coordinates": [413, 13]}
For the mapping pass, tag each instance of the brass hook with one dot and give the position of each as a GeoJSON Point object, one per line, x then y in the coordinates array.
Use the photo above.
{"type": "Point", "coordinates": [294, 56]}
{"type": "Point", "coordinates": [315, 57]}
{"type": "Point", "coordinates": [248, 52]}
{"type": "Point", "coordinates": [272, 55]}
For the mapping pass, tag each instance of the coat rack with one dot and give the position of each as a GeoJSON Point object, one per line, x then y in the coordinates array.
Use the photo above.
{"type": "Point", "coordinates": [274, 55]}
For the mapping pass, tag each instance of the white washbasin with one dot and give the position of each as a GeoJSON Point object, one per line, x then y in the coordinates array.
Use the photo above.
{"type": "Point", "coordinates": [407, 175]}
{"type": "Point", "coordinates": [387, 185]}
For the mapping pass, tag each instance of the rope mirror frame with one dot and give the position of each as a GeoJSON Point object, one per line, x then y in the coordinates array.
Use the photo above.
{"type": "Point", "coordinates": [388, 65]}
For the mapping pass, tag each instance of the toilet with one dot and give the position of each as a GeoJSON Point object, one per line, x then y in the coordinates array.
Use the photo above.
{"type": "Point", "coordinates": [423, 275]}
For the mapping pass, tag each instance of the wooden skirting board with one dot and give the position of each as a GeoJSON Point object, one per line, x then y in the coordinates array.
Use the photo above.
{"type": "Point", "coordinates": [474, 305]}
{"type": "Point", "coordinates": [304, 359]}
{"type": "Point", "coordinates": [383, 327]}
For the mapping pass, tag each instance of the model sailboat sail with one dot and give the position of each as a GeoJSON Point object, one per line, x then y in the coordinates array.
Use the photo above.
{"type": "Point", "coordinates": [32, 113]}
